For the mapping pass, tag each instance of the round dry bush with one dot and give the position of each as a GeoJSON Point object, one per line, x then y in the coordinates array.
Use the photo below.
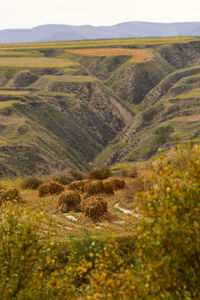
{"type": "Point", "coordinates": [50, 188]}
{"type": "Point", "coordinates": [94, 207]}
{"type": "Point", "coordinates": [31, 183]}
{"type": "Point", "coordinates": [109, 186]}
{"type": "Point", "coordinates": [119, 183]}
{"type": "Point", "coordinates": [100, 173]}
{"type": "Point", "coordinates": [10, 194]}
{"type": "Point", "coordinates": [69, 200]}
{"type": "Point", "coordinates": [94, 187]}
{"type": "Point", "coordinates": [78, 185]}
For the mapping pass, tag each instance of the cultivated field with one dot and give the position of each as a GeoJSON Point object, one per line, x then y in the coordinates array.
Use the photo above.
{"type": "Point", "coordinates": [35, 62]}
{"type": "Point", "coordinates": [139, 42]}
{"type": "Point", "coordinates": [137, 55]}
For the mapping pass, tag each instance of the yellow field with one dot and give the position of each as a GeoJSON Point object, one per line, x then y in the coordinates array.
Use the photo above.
{"type": "Point", "coordinates": [137, 55]}
{"type": "Point", "coordinates": [191, 94]}
{"type": "Point", "coordinates": [33, 62]}
{"type": "Point", "coordinates": [19, 53]}
{"type": "Point", "coordinates": [6, 104]}
{"type": "Point", "coordinates": [109, 43]}
{"type": "Point", "coordinates": [13, 93]}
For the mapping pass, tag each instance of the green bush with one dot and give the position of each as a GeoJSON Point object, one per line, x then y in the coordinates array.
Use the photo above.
{"type": "Point", "coordinates": [163, 134]}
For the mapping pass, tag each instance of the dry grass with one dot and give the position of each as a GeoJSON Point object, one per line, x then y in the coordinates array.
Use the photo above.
{"type": "Point", "coordinates": [13, 93]}
{"type": "Point", "coordinates": [78, 185]}
{"type": "Point", "coordinates": [109, 186]}
{"type": "Point", "coordinates": [50, 188]}
{"type": "Point", "coordinates": [94, 207]}
{"type": "Point", "coordinates": [35, 62]}
{"type": "Point", "coordinates": [69, 201]}
{"type": "Point", "coordinates": [137, 55]}
{"type": "Point", "coordinates": [94, 187]}
{"type": "Point", "coordinates": [100, 173]}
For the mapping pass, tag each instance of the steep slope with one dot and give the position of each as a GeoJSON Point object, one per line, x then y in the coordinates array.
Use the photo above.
{"type": "Point", "coordinates": [72, 104]}
{"type": "Point", "coordinates": [174, 101]}
{"type": "Point", "coordinates": [51, 119]}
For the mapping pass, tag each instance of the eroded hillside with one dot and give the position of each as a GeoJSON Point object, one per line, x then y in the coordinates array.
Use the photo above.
{"type": "Point", "coordinates": [69, 104]}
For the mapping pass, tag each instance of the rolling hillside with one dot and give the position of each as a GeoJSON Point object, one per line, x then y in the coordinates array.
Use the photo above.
{"type": "Point", "coordinates": [73, 104]}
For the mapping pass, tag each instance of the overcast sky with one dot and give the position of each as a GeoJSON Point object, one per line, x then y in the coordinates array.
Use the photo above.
{"type": "Point", "coordinates": [30, 13]}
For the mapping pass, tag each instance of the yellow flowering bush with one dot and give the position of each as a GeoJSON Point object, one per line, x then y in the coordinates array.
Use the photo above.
{"type": "Point", "coordinates": [27, 261]}
{"type": "Point", "coordinates": [168, 242]}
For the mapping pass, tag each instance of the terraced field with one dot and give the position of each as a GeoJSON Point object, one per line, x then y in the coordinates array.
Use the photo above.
{"type": "Point", "coordinates": [137, 55]}
{"type": "Point", "coordinates": [35, 62]}
{"type": "Point", "coordinates": [83, 103]}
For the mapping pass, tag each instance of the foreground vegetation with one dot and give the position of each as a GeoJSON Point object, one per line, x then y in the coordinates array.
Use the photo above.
{"type": "Point", "coordinates": [159, 260]}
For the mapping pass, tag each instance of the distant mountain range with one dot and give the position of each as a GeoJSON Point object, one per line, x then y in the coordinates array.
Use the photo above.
{"type": "Point", "coordinates": [55, 32]}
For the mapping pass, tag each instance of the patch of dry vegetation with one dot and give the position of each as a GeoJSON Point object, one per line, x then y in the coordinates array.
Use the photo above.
{"type": "Point", "coordinates": [35, 62]}
{"type": "Point", "coordinates": [50, 188]}
{"type": "Point", "coordinates": [137, 55]}
{"type": "Point", "coordinates": [69, 201]}
{"type": "Point", "coordinates": [94, 207]}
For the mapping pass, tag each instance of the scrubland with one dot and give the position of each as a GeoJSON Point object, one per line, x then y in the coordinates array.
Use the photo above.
{"type": "Point", "coordinates": [143, 243]}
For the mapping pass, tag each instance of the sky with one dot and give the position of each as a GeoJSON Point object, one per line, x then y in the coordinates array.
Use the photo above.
{"type": "Point", "coordinates": [31, 13]}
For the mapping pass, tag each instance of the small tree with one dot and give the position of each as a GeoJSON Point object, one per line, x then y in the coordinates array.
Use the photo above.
{"type": "Point", "coordinates": [163, 134]}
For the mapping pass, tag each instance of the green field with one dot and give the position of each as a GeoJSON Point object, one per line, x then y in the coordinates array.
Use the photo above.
{"type": "Point", "coordinates": [35, 62]}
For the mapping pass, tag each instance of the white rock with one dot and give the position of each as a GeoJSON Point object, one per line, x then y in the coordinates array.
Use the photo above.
{"type": "Point", "coordinates": [123, 210]}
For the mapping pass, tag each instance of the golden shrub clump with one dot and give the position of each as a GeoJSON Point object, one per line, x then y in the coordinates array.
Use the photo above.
{"type": "Point", "coordinates": [50, 188]}
{"type": "Point", "coordinates": [69, 201]}
{"type": "Point", "coordinates": [94, 207]}
{"type": "Point", "coordinates": [78, 185]}
{"type": "Point", "coordinates": [108, 186]}
{"type": "Point", "coordinates": [100, 173]}
{"type": "Point", "coordinates": [94, 187]}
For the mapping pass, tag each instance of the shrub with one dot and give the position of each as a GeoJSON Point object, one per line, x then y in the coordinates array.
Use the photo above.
{"type": "Point", "coordinates": [50, 188]}
{"type": "Point", "coordinates": [10, 194]}
{"type": "Point", "coordinates": [31, 183]}
{"type": "Point", "coordinates": [69, 200]}
{"type": "Point", "coordinates": [163, 134]}
{"type": "Point", "coordinates": [94, 207]}
{"type": "Point", "coordinates": [100, 173]}
{"type": "Point", "coordinates": [67, 176]}
{"type": "Point", "coordinates": [168, 241]}
{"type": "Point", "coordinates": [84, 245]}
{"type": "Point", "coordinates": [108, 186]}
{"type": "Point", "coordinates": [94, 187]}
